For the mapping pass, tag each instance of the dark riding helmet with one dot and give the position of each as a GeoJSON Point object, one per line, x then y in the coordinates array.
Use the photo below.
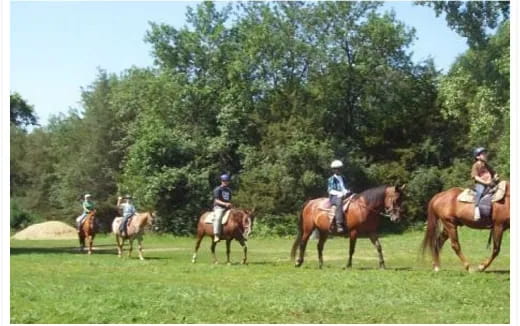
{"type": "Point", "coordinates": [225, 177]}
{"type": "Point", "coordinates": [478, 151]}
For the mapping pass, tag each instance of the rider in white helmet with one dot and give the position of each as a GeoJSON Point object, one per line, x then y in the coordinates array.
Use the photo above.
{"type": "Point", "coordinates": [337, 189]}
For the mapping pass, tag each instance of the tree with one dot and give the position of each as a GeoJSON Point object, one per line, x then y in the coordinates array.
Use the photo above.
{"type": "Point", "coordinates": [22, 114]}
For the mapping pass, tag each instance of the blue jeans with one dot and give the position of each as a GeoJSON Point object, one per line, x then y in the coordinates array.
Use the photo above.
{"type": "Point", "coordinates": [122, 227]}
{"type": "Point", "coordinates": [479, 188]}
{"type": "Point", "coordinates": [338, 214]}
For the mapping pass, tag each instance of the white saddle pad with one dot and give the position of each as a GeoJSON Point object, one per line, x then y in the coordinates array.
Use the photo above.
{"type": "Point", "coordinates": [210, 217]}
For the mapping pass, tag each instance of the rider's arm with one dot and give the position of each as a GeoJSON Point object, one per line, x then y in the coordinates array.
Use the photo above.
{"type": "Point", "coordinates": [331, 190]}
{"type": "Point", "coordinates": [223, 203]}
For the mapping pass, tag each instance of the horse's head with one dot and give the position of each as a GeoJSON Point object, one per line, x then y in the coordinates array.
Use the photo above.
{"type": "Point", "coordinates": [147, 219]}
{"type": "Point", "coordinates": [247, 221]}
{"type": "Point", "coordinates": [393, 201]}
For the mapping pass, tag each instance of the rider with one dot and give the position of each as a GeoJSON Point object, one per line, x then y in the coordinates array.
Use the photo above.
{"type": "Point", "coordinates": [222, 202]}
{"type": "Point", "coordinates": [88, 206]}
{"type": "Point", "coordinates": [483, 175]}
{"type": "Point", "coordinates": [128, 211]}
{"type": "Point", "coordinates": [337, 189]}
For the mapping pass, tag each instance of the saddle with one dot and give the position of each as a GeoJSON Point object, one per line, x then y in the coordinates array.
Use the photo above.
{"type": "Point", "coordinates": [497, 193]}
{"type": "Point", "coordinates": [211, 216]}
{"type": "Point", "coordinates": [485, 205]}
{"type": "Point", "coordinates": [331, 209]}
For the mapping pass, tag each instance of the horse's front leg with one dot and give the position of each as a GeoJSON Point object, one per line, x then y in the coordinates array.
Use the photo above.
{"type": "Point", "coordinates": [243, 243]}
{"type": "Point", "coordinates": [375, 241]}
{"type": "Point", "coordinates": [140, 247]}
{"type": "Point", "coordinates": [131, 242]}
{"type": "Point", "coordinates": [228, 251]}
{"type": "Point", "coordinates": [213, 245]}
{"type": "Point", "coordinates": [90, 240]}
{"type": "Point", "coordinates": [119, 243]}
{"type": "Point", "coordinates": [498, 231]}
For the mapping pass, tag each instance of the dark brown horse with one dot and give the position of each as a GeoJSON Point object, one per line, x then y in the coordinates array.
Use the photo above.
{"type": "Point", "coordinates": [238, 227]}
{"type": "Point", "coordinates": [362, 218]}
{"type": "Point", "coordinates": [445, 209]}
{"type": "Point", "coordinates": [87, 231]}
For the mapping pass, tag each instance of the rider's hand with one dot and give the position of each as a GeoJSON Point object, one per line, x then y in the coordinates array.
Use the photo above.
{"type": "Point", "coordinates": [228, 205]}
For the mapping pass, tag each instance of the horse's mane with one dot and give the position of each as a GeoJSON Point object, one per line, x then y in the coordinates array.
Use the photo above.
{"type": "Point", "coordinates": [373, 194]}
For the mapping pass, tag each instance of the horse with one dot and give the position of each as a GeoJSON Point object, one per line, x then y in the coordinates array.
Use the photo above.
{"type": "Point", "coordinates": [87, 231]}
{"type": "Point", "coordinates": [445, 209]}
{"type": "Point", "coordinates": [238, 227]}
{"type": "Point", "coordinates": [361, 217]}
{"type": "Point", "coordinates": [135, 230]}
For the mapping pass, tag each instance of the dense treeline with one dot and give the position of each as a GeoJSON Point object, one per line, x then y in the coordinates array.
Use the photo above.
{"type": "Point", "coordinates": [270, 93]}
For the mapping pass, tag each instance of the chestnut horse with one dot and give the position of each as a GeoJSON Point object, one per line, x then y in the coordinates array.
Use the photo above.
{"type": "Point", "coordinates": [135, 230]}
{"type": "Point", "coordinates": [361, 217]}
{"type": "Point", "coordinates": [445, 209]}
{"type": "Point", "coordinates": [238, 227]}
{"type": "Point", "coordinates": [87, 231]}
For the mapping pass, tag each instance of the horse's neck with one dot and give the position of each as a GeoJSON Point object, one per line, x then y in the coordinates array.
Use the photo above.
{"type": "Point", "coordinates": [142, 220]}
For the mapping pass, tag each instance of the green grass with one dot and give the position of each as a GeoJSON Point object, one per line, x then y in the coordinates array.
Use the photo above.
{"type": "Point", "coordinates": [52, 283]}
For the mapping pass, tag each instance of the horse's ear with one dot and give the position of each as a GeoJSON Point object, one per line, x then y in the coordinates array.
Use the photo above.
{"type": "Point", "coordinates": [402, 187]}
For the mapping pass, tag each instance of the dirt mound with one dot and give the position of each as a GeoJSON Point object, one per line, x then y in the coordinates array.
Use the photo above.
{"type": "Point", "coordinates": [52, 230]}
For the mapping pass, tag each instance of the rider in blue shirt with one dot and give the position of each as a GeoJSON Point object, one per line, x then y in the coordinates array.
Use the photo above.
{"type": "Point", "coordinates": [337, 189]}
{"type": "Point", "coordinates": [221, 203]}
{"type": "Point", "coordinates": [128, 209]}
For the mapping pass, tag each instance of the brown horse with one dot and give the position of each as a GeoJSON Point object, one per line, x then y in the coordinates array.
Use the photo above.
{"type": "Point", "coordinates": [362, 217]}
{"type": "Point", "coordinates": [135, 230]}
{"type": "Point", "coordinates": [446, 209]}
{"type": "Point", "coordinates": [87, 232]}
{"type": "Point", "coordinates": [238, 227]}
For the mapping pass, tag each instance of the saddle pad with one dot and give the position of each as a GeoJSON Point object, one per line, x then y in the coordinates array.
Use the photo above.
{"type": "Point", "coordinates": [209, 218]}
{"type": "Point", "coordinates": [468, 195]}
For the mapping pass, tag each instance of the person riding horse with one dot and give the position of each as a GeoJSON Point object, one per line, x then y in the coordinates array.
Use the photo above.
{"type": "Point", "coordinates": [483, 175]}
{"type": "Point", "coordinates": [221, 203]}
{"type": "Point", "coordinates": [337, 189]}
{"type": "Point", "coordinates": [128, 210]}
{"type": "Point", "coordinates": [88, 206]}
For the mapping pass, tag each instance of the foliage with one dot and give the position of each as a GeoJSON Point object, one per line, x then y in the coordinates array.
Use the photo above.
{"type": "Point", "coordinates": [272, 92]}
{"type": "Point", "coordinates": [22, 114]}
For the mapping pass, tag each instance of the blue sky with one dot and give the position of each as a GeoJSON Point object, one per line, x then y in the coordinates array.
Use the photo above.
{"type": "Point", "coordinates": [56, 47]}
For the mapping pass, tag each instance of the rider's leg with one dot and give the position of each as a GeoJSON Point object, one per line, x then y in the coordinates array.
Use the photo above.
{"type": "Point", "coordinates": [479, 188]}
{"type": "Point", "coordinates": [217, 221]}
{"type": "Point", "coordinates": [338, 215]}
{"type": "Point", "coordinates": [79, 219]}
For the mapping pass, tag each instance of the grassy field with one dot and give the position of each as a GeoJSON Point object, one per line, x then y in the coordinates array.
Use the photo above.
{"type": "Point", "coordinates": [52, 283]}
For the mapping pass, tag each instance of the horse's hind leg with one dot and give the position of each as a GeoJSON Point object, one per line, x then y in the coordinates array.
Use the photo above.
{"type": "Point", "coordinates": [303, 244]}
{"type": "Point", "coordinates": [321, 243]}
{"type": "Point", "coordinates": [498, 231]}
{"type": "Point", "coordinates": [200, 235]}
{"type": "Point", "coordinates": [375, 241]}
{"type": "Point", "coordinates": [437, 249]}
{"type": "Point", "coordinates": [352, 247]}
{"type": "Point", "coordinates": [454, 237]}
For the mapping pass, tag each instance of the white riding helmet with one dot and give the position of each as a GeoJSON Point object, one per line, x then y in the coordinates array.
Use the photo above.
{"type": "Point", "coordinates": [87, 196]}
{"type": "Point", "coordinates": [336, 164]}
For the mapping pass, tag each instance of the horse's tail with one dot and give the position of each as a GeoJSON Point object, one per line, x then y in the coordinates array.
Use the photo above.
{"type": "Point", "coordinates": [430, 237]}
{"type": "Point", "coordinates": [300, 232]}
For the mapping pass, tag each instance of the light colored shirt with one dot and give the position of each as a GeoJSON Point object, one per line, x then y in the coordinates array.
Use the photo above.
{"type": "Point", "coordinates": [128, 209]}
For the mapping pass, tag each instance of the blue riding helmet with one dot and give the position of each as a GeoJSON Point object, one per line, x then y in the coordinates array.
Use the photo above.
{"type": "Point", "coordinates": [225, 177]}
{"type": "Point", "coordinates": [478, 151]}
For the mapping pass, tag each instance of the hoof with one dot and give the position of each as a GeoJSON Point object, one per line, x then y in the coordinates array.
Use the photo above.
{"type": "Point", "coordinates": [193, 261]}
{"type": "Point", "coordinates": [436, 269]}
{"type": "Point", "coordinates": [215, 263]}
{"type": "Point", "coordinates": [481, 268]}
{"type": "Point", "coordinates": [382, 266]}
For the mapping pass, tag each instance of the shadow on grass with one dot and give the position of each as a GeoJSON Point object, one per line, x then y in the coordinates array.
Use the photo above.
{"type": "Point", "coordinates": [498, 272]}
{"type": "Point", "coordinates": [59, 250]}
